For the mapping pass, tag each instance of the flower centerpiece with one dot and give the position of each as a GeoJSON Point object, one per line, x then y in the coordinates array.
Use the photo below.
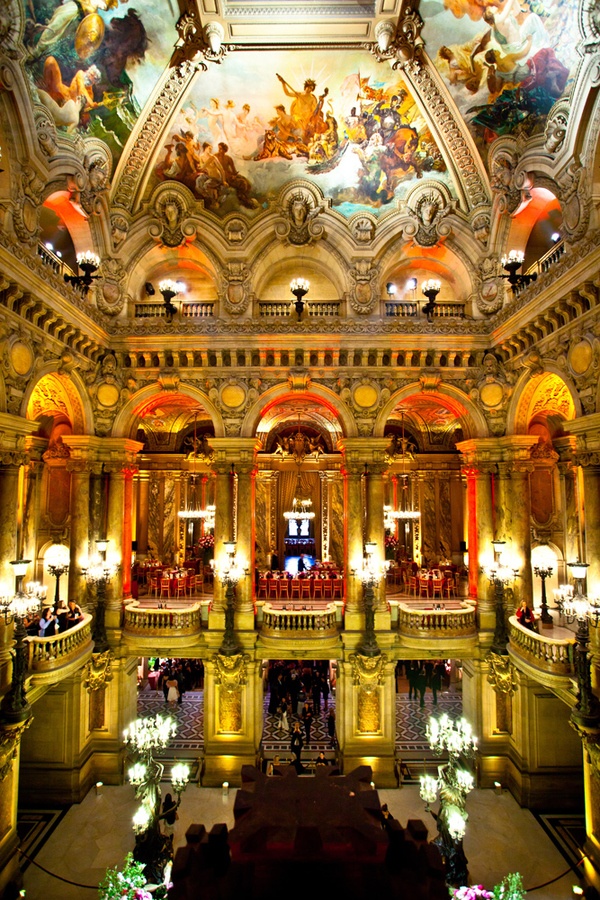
{"type": "Point", "coordinates": [206, 547]}
{"type": "Point", "coordinates": [510, 888]}
{"type": "Point", "coordinates": [128, 883]}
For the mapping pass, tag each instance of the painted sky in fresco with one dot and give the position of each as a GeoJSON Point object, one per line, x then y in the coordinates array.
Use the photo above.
{"type": "Point", "coordinates": [344, 122]}
{"type": "Point", "coordinates": [506, 63]}
{"type": "Point", "coordinates": [94, 63]}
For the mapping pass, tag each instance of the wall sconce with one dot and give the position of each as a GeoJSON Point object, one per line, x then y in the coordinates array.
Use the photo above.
{"type": "Point", "coordinates": [430, 289]}
{"type": "Point", "coordinates": [390, 289]}
{"type": "Point", "coordinates": [511, 263]}
{"type": "Point", "coordinates": [299, 288]}
{"type": "Point", "coordinates": [88, 263]}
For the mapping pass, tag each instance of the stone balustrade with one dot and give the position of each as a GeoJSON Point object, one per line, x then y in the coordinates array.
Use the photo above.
{"type": "Point", "coordinates": [158, 622]}
{"type": "Point", "coordinates": [46, 653]}
{"type": "Point", "coordinates": [309, 622]}
{"type": "Point", "coordinates": [447, 623]}
{"type": "Point", "coordinates": [551, 654]}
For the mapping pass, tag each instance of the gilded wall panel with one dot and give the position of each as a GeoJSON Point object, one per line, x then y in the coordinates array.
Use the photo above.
{"type": "Point", "coordinates": [154, 517]}
{"type": "Point", "coordinates": [429, 549]}
{"type": "Point", "coordinates": [169, 517]}
{"type": "Point", "coordinates": [261, 525]}
{"type": "Point", "coordinates": [444, 518]}
{"type": "Point", "coordinates": [336, 522]}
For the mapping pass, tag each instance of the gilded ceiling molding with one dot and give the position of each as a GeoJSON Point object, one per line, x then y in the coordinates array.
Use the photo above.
{"type": "Point", "coordinates": [405, 52]}
{"type": "Point", "coordinates": [11, 28]}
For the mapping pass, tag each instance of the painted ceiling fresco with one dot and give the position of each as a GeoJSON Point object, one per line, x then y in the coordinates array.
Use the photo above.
{"type": "Point", "coordinates": [94, 63]}
{"type": "Point", "coordinates": [262, 119]}
{"type": "Point", "coordinates": [345, 122]}
{"type": "Point", "coordinates": [506, 63]}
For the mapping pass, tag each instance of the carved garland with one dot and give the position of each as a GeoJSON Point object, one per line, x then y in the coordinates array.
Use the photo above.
{"type": "Point", "coordinates": [98, 671]}
{"type": "Point", "coordinates": [10, 736]}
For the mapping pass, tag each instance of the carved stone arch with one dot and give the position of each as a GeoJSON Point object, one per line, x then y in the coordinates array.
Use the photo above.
{"type": "Point", "coordinates": [471, 416]}
{"type": "Point", "coordinates": [320, 258]}
{"type": "Point", "coordinates": [565, 399]}
{"type": "Point", "coordinates": [68, 391]}
{"type": "Point", "coordinates": [125, 423]}
{"type": "Point", "coordinates": [313, 390]}
{"type": "Point", "coordinates": [12, 25]}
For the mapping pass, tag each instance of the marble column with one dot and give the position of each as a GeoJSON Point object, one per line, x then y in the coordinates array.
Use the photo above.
{"type": "Point", "coordinates": [32, 499]}
{"type": "Point", "coordinates": [80, 528]}
{"type": "Point", "coordinates": [480, 526]}
{"type": "Point", "coordinates": [591, 500]}
{"type": "Point", "coordinates": [514, 524]}
{"type": "Point", "coordinates": [375, 529]}
{"type": "Point", "coordinates": [223, 523]}
{"type": "Point", "coordinates": [115, 534]}
{"type": "Point", "coordinates": [245, 534]}
{"type": "Point", "coordinates": [9, 503]}
{"type": "Point", "coordinates": [354, 535]}
{"type": "Point", "coordinates": [142, 515]}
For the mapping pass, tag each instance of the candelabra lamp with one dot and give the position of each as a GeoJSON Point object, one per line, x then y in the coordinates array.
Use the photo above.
{"type": "Point", "coordinates": [57, 563]}
{"type": "Point", "coordinates": [451, 787]}
{"type": "Point", "coordinates": [512, 263]}
{"type": "Point", "coordinates": [98, 572]}
{"type": "Point", "coordinates": [499, 576]}
{"type": "Point", "coordinates": [370, 572]}
{"type": "Point", "coordinates": [230, 569]}
{"type": "Point", "coordinates": [17, 608]}
{"type": "Point", "coordinates": [143, 739]}
{"type": "Point", "coordinates": [299, 288]}
{"type": "Point", "coordinates": [88, 263]}
{"type": "Point", "coordinates": [543, 572]}
{"type": "Point", "coordinates": [574, 605]}
{"type": "Point", "coordinates": [430, 289]}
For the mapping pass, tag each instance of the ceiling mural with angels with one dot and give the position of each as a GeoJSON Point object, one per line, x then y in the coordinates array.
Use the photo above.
{"type": "Point", "coordinates": [506, 62]}
{"type": "Point", "coordinates": [93, 63]}
{"type": "Point", "coordinates": [346, 123]}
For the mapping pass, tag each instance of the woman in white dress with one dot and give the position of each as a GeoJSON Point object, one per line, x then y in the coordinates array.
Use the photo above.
{"type": "Point", "coordinates": [173, 692]}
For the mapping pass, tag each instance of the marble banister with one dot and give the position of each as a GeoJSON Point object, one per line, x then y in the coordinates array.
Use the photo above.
{"type": "Point", "coordinates": [433, 622]}
{"type": "Point", "coordinates": [299, 621]}
{"type": "Point", "coordinates": [141, 621]}
{"type": "Point", "coordinates": [551, 654]}
{"type": "Point", "coordinates": [46, 653]}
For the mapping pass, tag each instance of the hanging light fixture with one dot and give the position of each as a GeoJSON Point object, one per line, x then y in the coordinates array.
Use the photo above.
{"type": "Point", "coordinates": [192, 510]}
{"type": "Point", "coordinates": [406, 512]}
{"type": "Point", "coordinates": [301, 505]}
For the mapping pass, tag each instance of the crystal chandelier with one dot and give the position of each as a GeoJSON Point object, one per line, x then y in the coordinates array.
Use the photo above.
{"type": "Point", "coordinates": [301, 505]}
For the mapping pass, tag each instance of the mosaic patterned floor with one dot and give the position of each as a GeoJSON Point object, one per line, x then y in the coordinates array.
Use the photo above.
{"type": "Point", "coordinates": [411, 720]}
{"type": "Point", "coordinates": [189, 716]}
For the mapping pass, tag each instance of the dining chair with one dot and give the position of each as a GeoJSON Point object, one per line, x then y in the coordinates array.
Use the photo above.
{"type": "Point", "coordinates": [296, 591]}
{"type": "Point", "coordinates": [305, 591]}
{"type": "Point", "coordinates": [423, 587]}
{"type": "Point", "coordinates": [284, 588]}
{"type": "Point", "coordinates": [318, 589]}
{"type": "Point", "coordinates": [327, 589]}
{"type": "Point", "coordinates": [438, 587]}
{"type": "Point", "coordinates": [165, 587]}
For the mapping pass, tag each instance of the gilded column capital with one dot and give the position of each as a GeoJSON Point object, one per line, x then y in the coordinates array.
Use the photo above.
{"type": "Point", "coordinates": [98, 671]}
{"type": "Point", "coordinates": [231, 671]}
{"type": "Point", "coordinates": [502, 674]}
{"type": "Point", "coordinates": [368, 671]}
{"type": "Point", "coordinates": [81, 466]}
{"type": "Point", "coordinates": [365, 450]}
{"type": "Point", "coordinates": [13, 459]}
{"type": "Point", "coordinates": [10, 737]}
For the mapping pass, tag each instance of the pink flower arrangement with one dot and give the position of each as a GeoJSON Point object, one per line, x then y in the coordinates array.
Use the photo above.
{"type": "Point", "coordinates": [475, 892]}
{"type": "Point", "coordinates": [391, 540]}
{"type": "Point", "coordinates": [206, 541]}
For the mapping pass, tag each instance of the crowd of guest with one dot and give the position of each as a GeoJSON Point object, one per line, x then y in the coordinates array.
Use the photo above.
{"type": "Point", "coordinates": [298, 693]}
{"type": "Point", "coordinates": [54, 619]}
{"type": "Point", "coordinates": [177, 677]}
{"type": "Point", "coordinates": [423, 675]}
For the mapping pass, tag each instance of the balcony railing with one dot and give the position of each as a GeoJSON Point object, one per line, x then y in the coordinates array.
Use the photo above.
{"type": "Point", "coordinates": [188, 309]}
{"type": "Point", "coordinates": [554, 655]}
{"type": "Point", "coordinates": [300, 622]}
{"type": "Point", "coordinates": [402, 309]}
{"type": "Point", "coordinates": [447, 623]}
{"type": "Point", "coordinates": [52, 652]}
{"type": "Point", "coordinates": [162, 622]}
{"type": "Point", "coordinates": [313, 310]}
